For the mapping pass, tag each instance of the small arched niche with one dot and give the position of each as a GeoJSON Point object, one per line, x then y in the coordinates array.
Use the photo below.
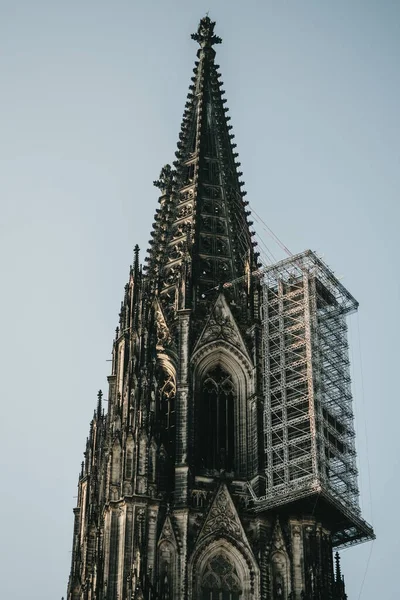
{"type": "Point", "coordinates": [280, 576]}
{"type": "Point", "coordinates": [165, 406]}
{"type": "Point", "coordinates": [166, 580]}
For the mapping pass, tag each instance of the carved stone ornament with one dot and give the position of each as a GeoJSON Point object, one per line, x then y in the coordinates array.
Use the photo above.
{"type": "Point", "coordinates": [167, 532]}
{"type": "Point", "coordinates": [205, 33]}
{"type": "Point", "coordinates": [296, 530]}
{"type": "Point", "coordinates": [166, 180]}
{"type": "Point", "coordinates": [222, 516]}
{"type": "Point", "coordinates": [278, 542]}
{"type": "Point", "coordinates": [221, 325]}
{"type": "Point", "coordinates": [163, 333]}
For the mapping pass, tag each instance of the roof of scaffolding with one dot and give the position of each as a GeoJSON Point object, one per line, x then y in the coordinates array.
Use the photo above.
{"type": "Point", "coordinates": [308, 262]}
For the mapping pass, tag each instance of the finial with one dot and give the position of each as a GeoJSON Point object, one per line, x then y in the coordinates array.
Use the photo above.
{"type": "Point", "coordinates": [136, 251]}
{"type": "Point", "coordinates": [205, 33]}
{"type": "Point", "coordinates": [166, 180]}
{"type": "Point", "coordinates": [99, 399]}
{"type": "Point", "coordinates": [338, 572]}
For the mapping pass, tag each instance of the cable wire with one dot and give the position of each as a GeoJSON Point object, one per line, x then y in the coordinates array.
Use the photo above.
{"type": "Point", "coordinates": [366, 570]}
{"type": "Point", "coordinates": [271, 233]}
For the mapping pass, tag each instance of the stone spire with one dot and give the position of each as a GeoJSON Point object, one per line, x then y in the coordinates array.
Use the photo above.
{"type": "Point", "coordinates": [163, 508]}
{"type": "Point", "coordinates": [202, 237]}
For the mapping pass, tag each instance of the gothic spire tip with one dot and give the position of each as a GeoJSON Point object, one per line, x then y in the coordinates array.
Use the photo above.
{"type": "Point", "coordinates": [205, 33]}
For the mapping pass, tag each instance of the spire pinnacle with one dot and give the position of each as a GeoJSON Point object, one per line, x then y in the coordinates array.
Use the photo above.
{"type": "Point", "coordinates": [205, 33]}
{"type": "Point", "coordinates": [99, 401]}
{"type": "Point", "coordinates": [136, 251]}
{"type": "Point", "coordinates": [338, 570]}
{"type": "Point", "coordinates": [166, 180]}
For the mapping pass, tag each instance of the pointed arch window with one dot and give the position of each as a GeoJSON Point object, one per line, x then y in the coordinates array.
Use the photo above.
{"type": "Point", "coordinates": [217, 435]}
{"type": "Point", "coordinates": [167, 411]}
{"type": "Point", "coordinates": [280, 579]}
{"type": "Point", "coordinates": [166, 570]}
{"type": "Point", "coordinates": [220, 580]}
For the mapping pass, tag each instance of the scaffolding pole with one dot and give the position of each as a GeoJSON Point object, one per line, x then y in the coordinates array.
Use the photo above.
{"type": "Point", "coordinates": [308, 416]}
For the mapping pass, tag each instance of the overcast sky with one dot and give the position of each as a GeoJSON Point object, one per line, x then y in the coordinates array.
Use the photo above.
{"type": "Point", "coordinates": [92, 93]}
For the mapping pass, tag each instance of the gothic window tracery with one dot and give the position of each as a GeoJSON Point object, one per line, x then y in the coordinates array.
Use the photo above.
{"type": "Point", "coordinates": [206, 244]}
{"type": "Point", "coordinates": [221, 580]}
{"type": "Point", "coordinates": [222, 247]}
{"type": "Point", "coordinates": [212, 192]}
{"type": "Point", "coordinates": [211, 171]}
{"type": "Point", "coordinates": [217, 447]}
{"type": "Point", "coordinates": [207, 207]}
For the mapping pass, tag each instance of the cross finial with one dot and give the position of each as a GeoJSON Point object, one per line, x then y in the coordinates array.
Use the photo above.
{"type": "Point", "coordinates": [205, 33]}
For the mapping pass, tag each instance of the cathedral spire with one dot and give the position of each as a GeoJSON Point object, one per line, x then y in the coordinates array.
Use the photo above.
{"type": "Point", "coordinates": [202, 223]}
{"type": "Point", "coordinates": [213, 402]}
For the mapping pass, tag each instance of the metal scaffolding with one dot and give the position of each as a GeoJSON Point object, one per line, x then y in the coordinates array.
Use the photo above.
{"type": "Point", "coordinates": [308, 417]}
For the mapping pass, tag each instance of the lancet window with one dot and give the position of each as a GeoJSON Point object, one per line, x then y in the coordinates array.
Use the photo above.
{"type": "Point", "coordinates": [217, 432]}
{"type": "Point", "coordinates": [166, 412]}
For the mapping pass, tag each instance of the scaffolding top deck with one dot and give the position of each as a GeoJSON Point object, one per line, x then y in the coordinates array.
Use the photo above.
{"type": "Point", "coordinates": [290, 269]}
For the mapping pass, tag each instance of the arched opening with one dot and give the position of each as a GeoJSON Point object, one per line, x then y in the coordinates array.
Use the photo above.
{"type": "Point", "coordinates": [223, 385]}
{"type": "Point", "coordinates": [164, 425]}
{"type": "Point", "coordinates": [217, 421]}
{"type": "Point", "coordinates": [218, 570]}
{"type": "Point", "coordinates": [166, 412]}
{"type": "Point", "coordinates": [220, 579]}
{"type": "Point", "coordinates": [280, 576]}
{"type": "Point", "coordinates": [166, 570]}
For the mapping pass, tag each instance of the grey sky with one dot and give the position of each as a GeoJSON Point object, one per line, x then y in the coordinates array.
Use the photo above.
{"type": "Point", "coordinates": [92, 96]}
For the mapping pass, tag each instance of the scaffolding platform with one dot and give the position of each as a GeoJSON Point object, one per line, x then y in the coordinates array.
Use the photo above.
{"type": "Point", "coordinates": [308, 417]}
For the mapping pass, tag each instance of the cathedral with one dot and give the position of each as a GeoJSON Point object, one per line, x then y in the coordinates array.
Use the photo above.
{"type": "Point", "coordinates": [223, 466]}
